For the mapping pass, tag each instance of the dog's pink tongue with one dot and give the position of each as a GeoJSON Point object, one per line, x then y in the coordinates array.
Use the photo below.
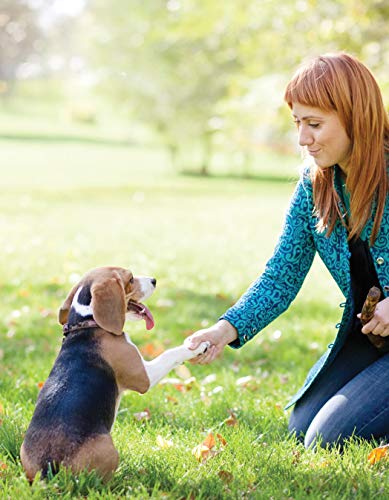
{"type": "Point", "coordinates": [148, 317]}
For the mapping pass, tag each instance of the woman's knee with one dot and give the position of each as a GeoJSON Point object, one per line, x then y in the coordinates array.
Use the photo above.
{"type": "Point", "coordinates": [298, 423]}
{"type": "Point", "coordinates": [325, 437]}
{"type": "Point", "coordinates": [331, 425]}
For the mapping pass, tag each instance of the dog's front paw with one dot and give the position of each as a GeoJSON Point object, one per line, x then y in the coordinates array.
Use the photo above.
{"type": "Point", "coordinates": [201, 349]}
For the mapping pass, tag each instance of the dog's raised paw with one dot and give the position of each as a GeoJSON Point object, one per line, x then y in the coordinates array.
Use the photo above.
{"type": "Point", "coordinates": [201, 349]}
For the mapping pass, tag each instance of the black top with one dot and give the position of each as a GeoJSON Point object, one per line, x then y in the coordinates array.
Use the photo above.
{"type": "Point", "coordinates": [363, 275]}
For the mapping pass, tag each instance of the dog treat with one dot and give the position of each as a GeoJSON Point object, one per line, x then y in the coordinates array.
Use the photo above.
{"type": "Point", "coordinates": [367, 313]}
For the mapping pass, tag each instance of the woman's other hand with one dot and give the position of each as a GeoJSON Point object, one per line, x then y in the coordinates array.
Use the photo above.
{"type": "Point", "coordinates": [379, 324]}
{"type": "Point", "coordinates": [218, 335]}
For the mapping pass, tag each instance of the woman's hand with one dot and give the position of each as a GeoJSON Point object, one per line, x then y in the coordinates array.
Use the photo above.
{"type": "Point", "coordinates": [218, 335]}
{"type": "Point", "coordinates": [379, 324]}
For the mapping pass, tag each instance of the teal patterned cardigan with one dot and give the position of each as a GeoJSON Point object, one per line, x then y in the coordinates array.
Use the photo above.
{"type": "Point", "coordinates": [271, 294]}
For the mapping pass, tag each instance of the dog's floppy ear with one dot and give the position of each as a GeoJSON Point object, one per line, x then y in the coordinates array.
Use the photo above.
{"type": "Point", "coordinates": [109, 303]}
{"type": "Point", "coordinates": [63, 313]}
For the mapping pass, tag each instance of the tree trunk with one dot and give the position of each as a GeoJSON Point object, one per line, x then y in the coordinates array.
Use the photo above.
{"type": "Point", "coordinates": [173, 154]}
{"type": "Point", "coordinates": [207, 154]}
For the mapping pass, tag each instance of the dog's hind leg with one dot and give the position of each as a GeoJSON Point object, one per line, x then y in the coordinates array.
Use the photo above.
{"type": "Point", "coordinates": [99, 454]}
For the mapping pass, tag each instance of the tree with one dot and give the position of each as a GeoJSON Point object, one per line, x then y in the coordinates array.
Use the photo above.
{"type": "Point", "coordinates": [21, 41]}
{"type": "Point", "coordinates": [198, 70]}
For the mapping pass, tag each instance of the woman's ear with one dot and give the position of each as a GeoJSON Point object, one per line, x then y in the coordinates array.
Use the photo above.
{"type": "Point", "coordinates": [109, 304]}
{"type": "Point", "coordinates": [63, 313]}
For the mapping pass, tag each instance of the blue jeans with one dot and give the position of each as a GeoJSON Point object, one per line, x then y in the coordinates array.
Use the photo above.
{"type": "Point", "coordinates": [351, 398]}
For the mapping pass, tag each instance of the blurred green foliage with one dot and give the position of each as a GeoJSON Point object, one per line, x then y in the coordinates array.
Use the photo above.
{"type": "Point", "coordinates": [200, 75]}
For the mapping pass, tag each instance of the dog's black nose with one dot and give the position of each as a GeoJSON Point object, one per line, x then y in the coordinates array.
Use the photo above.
{"type": "Point", "coordinates": [153, 281]}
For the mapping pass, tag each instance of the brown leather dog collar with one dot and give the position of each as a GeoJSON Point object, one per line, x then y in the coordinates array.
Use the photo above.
{"type": "Point", "coordinates": [83, 325]}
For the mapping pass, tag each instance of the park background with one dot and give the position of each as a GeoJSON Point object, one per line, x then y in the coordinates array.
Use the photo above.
{"type": "Point", "coordinates": [153, 134]}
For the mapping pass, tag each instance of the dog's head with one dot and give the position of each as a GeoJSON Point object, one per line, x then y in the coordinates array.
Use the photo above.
{"type": "Point", "coordinates": [111, 295]}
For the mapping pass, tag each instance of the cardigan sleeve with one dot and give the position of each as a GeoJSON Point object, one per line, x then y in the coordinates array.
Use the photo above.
{"type": "Point", "coordinates": [271, 294]}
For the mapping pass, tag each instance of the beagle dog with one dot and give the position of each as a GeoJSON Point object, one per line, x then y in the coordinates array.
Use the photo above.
{"type": "Point", "coordinates": [77, 405]}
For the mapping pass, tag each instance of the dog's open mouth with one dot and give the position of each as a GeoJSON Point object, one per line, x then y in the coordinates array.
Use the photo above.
{"type": "Point", "coordinates": [142, 312]}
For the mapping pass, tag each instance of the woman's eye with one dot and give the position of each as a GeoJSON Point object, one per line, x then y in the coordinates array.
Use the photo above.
{"type": "Point", "coordinates": [131, 280]}
{"type": "Point", "coordinates": [314, 125]}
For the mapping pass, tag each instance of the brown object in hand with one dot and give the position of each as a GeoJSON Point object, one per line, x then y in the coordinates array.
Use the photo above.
{"type": "Point", "coordinates": [367, 313]}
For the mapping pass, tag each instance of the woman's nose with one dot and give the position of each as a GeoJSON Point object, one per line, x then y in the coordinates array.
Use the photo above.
{"type": "Point", "coordinates": [305, 136]}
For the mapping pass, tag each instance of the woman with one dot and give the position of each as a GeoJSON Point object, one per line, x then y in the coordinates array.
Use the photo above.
{"type": "Point", "coordinates": [340, 209]}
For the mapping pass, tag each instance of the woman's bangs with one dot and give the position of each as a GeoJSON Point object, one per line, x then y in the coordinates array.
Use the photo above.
{"type": "Point", "coordinates": [310, 89]}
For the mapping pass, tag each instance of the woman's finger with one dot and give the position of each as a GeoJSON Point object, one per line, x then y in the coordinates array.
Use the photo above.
{"type": "Point", "coordinates": [370, 326]}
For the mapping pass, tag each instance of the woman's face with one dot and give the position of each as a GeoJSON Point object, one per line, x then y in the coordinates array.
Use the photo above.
{"type": "Point", "coordinates": [323, 135]}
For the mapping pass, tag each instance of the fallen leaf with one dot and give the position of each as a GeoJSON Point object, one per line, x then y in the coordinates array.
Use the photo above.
{"type": "Point", "coordinates": [216, 390]}
{"type": "Point", "coordinates": [244, 381]}
{"type": "Point", "coordinates": [190, 382]}
{"type": "Point", "coordinates": [3, 467]}
{"type": "Point", "coordinates": [225, 476]}
{"type": "Point", "coordinates": [143, 415]}
{"type": "Point", "coordinates": [40, 385]}
{"type": "Point", "coordinates": [231, 421]}
{"type": "Point", "coordinates": [183, 372]}
{"type": "Point", "coordinates": [209, 379]}
{"type": "Point", "coordinates": [170, 381]}
{"type": "Point", "coordinates": [171, 399]}
{"type": "Point", "coordinates": [180, 387]}
{"type": "Point", "coordinates": [200, 452]}
{"type": "Point", "coordinates": [209, 441]}
{"type": "Point", "coordinates": [151, 350]}
{"type": "Point", "coordinates": [296, 457]}
{"type": "Point", "coordinates": [164, 443]}
{"type": "Point", "coordinates": [206, 449]}
{"type": "Point", "coordinates": [221, 439]}
{"type": "Point", "coordinates": [378, 454]}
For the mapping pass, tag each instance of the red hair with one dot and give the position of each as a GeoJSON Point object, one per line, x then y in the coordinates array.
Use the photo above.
{"type": "Point", "coordinates": [341, 83]}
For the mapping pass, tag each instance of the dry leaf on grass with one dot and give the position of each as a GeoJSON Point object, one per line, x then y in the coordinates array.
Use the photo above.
{"type": "Point", "coordinates": [171, 399]}
{"type": "Point", "coordinates": [225, 476]}
{"type": "Point", "coordinates": [151, 350]}
{"type": "Point", "coordinates": [232, 420]}
{"type": "Point", "coordinates": [183, 372]}
{"type": "Point", "coordinates": [201, 452]}
{"type": "Point", "coordinates": [163, 442]}
{"type": "Point", "coordinates": [181, 386]}
{"type": "Point", "coordinates": [143, 415]}
{"type": "Point", "coordinates": [3, 467]}
{"type": "Point", "coordinates": [207, 449]}
{"type": "Point", "coordinates": [378, 454]}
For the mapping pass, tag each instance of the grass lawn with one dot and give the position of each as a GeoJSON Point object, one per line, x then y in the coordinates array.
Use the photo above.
{"type": "Point", "coordinates": [66, 207]}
